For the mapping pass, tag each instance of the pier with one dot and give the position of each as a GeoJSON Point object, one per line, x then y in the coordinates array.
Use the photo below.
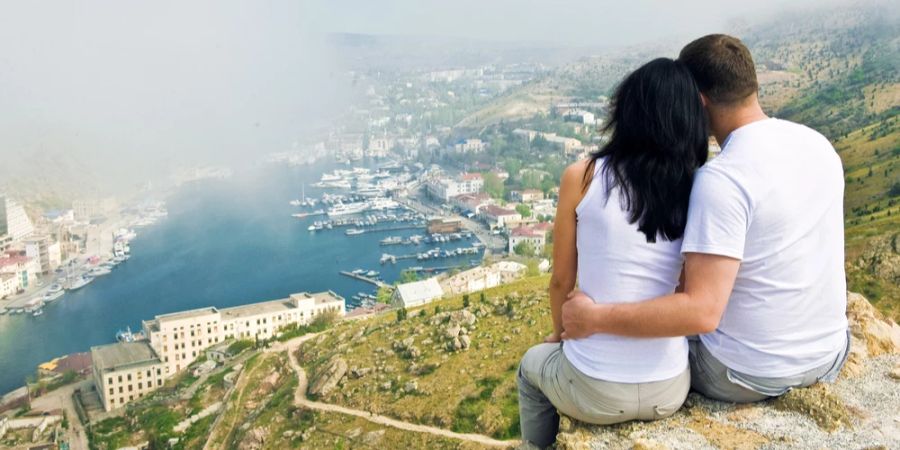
{"type": "Point", "coordinates": [378, 283]}
{"type": "Point", "coordinates": [394, 228]}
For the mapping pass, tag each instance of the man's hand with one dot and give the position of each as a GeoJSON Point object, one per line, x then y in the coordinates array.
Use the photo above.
{"type": "Point", "coordinates": [577, 312]}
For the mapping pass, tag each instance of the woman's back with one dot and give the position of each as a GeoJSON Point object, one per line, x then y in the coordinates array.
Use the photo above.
{"type": "Point", "coordinates": [617, 264]}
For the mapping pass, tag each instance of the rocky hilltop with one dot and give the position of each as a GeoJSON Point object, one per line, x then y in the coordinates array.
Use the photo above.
{"type": "Point", "coordinates": [451, 365]}
{"type": "Point", "coordinates": [860, 410]}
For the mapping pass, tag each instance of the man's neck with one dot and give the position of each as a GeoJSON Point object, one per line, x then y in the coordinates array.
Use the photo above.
{"type": "Point", "coordinates": [725, 120]}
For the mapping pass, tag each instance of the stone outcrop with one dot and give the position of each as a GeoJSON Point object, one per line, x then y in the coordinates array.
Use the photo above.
{"type": "Point", "coordinates": [860, 410]}
{"type": "Point", "coordinates": [328, 377]}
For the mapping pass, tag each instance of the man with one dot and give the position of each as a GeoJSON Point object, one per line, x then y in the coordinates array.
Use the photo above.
{"type": "Point", "coordinates": [764, 284]}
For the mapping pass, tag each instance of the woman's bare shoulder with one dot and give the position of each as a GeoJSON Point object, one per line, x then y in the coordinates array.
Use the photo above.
{"type": "Point", "coordinates": [579, 173]}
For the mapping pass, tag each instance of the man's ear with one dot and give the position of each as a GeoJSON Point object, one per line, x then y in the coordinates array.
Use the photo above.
{"type": "Point", "coordinates": [704, 99]}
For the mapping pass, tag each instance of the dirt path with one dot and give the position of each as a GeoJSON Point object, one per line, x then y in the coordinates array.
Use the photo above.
{"type": "Point", "coordinates": [240, 385]}
{"type": "Point", "coordinates": [301, 400]}
{"type": "Point", "coordinates": [62, 399]}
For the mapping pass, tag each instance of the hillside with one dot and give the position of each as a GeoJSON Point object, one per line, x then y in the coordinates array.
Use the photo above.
{"type": "Point", "coordinates": [444, 377]}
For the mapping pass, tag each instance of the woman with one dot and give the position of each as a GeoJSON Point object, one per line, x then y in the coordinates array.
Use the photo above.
{"type": "Point", "coordinates": [619, 223]}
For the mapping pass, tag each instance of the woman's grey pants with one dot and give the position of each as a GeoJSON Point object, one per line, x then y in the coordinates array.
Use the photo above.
{"type": "Point", "coordinates": [548, 382]}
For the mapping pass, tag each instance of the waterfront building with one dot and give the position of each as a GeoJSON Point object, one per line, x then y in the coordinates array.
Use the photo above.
{"type": "Point", "coordinates": [535, 234]}
{"type": "Point", "coordinates": [481, 278]}
{"type": "Point", "coordinates": [444, 225]}
{"type": "Point", "coordinates": [497, 217]}
{"type": "Point", "coordinates": [179, 338]}
{"type": "Point", "coordinates": [87, 209]}
{"type": "Point", "coordinates": [472, 203]}
{"type": "Point", "coordinates": [470, 146]}
{"type": "Point", "coordinates": [125, 371]}
{"type": "Point", "coordinates": [13, 219]}
{"type": "Point", "coordinates": [446, 188]}
{"type": "Point", "coordinates": [9, 284]}
{"type": "Point", "coordinates": [46, 251]}
{"type": "Point", "coordinates": [417, 293]}
{"type": "Point", "coordinates": [5, 242]}
{"type": "Point", "coordinates": [24, 269]}
{"type": "Point", "coordinates": [526, 196]}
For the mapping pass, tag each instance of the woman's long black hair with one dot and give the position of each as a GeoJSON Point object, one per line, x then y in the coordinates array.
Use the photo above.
{"type": "Point", "coordinates": [659, 139]}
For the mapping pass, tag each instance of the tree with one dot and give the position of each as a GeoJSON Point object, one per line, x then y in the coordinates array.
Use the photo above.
{"type": "Point", "coordinates": [523, 209]}
{"type": "Point", "coordinates": [465, 300]}
{"type": "Point", "coordinates": [524, 248]}
{"type": "Point", "coordinates": [401, 314]}
{"type": "Point", "coordinates": [408, 276]}
{"type": "Point", "coordinates": [383, 295]}
{"type": "Point", "coordinates": [493, 185]}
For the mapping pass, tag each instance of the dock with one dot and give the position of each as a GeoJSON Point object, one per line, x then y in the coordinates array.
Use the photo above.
{"type": "Point", "coordinates": [379, 283]}
{"type": "Point", "coordinates": [394, 228]}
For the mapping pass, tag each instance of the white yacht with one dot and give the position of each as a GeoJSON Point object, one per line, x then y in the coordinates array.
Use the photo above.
{"type": "Point", "coordinates": [343, 209]}
{"type": "Point", "coordinates": [50, 296]}
{"type": "Point", "coordinates": [381, 203]}
{"type": "Point", "coordinates": [80, 282]}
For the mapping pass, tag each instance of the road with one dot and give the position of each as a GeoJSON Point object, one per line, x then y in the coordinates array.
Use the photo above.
{"type": "Point", "coordinates": [301, 400]}
{"type": "Point", "coordinates": [62, 399]}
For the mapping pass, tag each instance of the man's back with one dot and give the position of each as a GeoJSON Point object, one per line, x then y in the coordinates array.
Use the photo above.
{"type": "Point", "coordinates": [774, 200]}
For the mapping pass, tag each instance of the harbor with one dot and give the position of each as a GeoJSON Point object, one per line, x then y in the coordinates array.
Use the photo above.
{"type": "Point", "coordinates": [220, 244]}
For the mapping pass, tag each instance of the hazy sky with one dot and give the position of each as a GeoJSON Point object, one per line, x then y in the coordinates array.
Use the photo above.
{"type": "Point", "coordinates": [594, 22]}
{"type": "Point", "coordinates": [129, 86]}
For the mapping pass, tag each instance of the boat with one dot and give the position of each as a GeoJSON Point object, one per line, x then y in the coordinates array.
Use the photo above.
{"type": "Point", "coordinates": [295, 202]}
{"type": "Point", "coordinates": [50, 296]}
{"type": "Point", "coordinates": [81, 282]}
{"type": "Point", "coordinates": [311, 228]}
{"type": "Point", "coordinates": [125, 336]}
{"type": "Point", "coordinates": [353, 232]}
{"type": "Point", "coordinates": [381, 203]}
{"type": "Point", "coordinates": [372, 274]}
{"type": "Point", "coordinates": [38, 312]}
{"type": "Point", "coordinates": [55, 287]}
{"type": "Point", "coordinates": [344, 209]}
{"type": "Point", "coordinates": [99, 271]}
{"type": "Point", "coordinates": [391, 240]}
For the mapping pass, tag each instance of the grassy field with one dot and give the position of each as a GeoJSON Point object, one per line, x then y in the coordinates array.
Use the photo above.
{"type": "Point", "coordinates": [465, 390]}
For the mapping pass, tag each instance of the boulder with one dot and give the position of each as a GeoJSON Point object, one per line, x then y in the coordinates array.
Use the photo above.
{"type": "Point", "coordinates": [328, 377]}
{"type": "Point", "coordinates": [465, 341]}
{"type": "Point", "coordinates": [411, 386]}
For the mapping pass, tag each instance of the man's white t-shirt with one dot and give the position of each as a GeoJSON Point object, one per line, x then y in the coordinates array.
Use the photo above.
{"type": "Point", "coordinates": [773, 199]}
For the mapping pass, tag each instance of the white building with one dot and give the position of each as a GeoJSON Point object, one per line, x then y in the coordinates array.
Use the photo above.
{"type": "Point", "coordinates": [480, 278]}
{"type": "Point", "coordinates": [125, 371]}
{"type": "Point", "coordinates": [470, 146]}
{"type": "Point", "coordinates": [179, 338]}
{"type": "Point", "coordinates": [87, 209]}
{"type": "Point", "coordinates": [447, 188]}
{"type": "Point", "coordinates": [8, 284]}
{"type": "Point", "coordinates": [535, 234]}
{"type": "Point", "coordinates": [13, 219]}
{"type": "Point", "coordinates": [417, 293]}
{"type": "Point", "coordinates": [24, 269]}
{"type": "Point", "coordinates": [46, 251]}
{"type": "Point", "coordinates": [497, 217]}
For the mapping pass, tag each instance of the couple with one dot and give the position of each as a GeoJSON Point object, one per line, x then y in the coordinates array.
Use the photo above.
{"type": "Point", "coordinates": [726, 278]}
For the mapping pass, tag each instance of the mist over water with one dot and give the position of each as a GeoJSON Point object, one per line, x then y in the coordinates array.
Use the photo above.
{"type": "Point", "coordinates": [224, 243]}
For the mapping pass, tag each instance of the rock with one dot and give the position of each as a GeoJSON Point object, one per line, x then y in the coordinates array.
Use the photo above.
{"type": "Point", "coordinates": [895, 372]}
{"type": "Point", "coordinates": [454, 345]}
{"type": "Point", "coordinates": [452, 331]}
{"type": "Point", "coordinates": [288, 434]}
{"type": "Point", "coordinates": [411, 386]}
{"type": "Point", "coordinates": [328, 377]}
{"type": "Point", "coordinates": [386, 386]}
{"type": "Point", "coordinates": [408, 342]}
{"type": "Point", "coordinates": [505, 338]}
{"type": "Point", "coordinates": [648, 444]}
{"type": "Point", "coordinates": [465, 342]}
{"type": "Point", "coordinates": [354, 433]}
{"type": "Point", "coordinates": [253, 440]}
{"type": "Point", "coordinates": [427, 342]}
{"type": "Point", "coordinates": [873, 334]}
{"type": "Point", "coordinates": [463, 331]}
{"type": "Point", "coordinates": [359, 373]}
{"type": "Point", "coordinates": [373, 437]}
{"type": "Point", "coordinates": [414, 352]}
